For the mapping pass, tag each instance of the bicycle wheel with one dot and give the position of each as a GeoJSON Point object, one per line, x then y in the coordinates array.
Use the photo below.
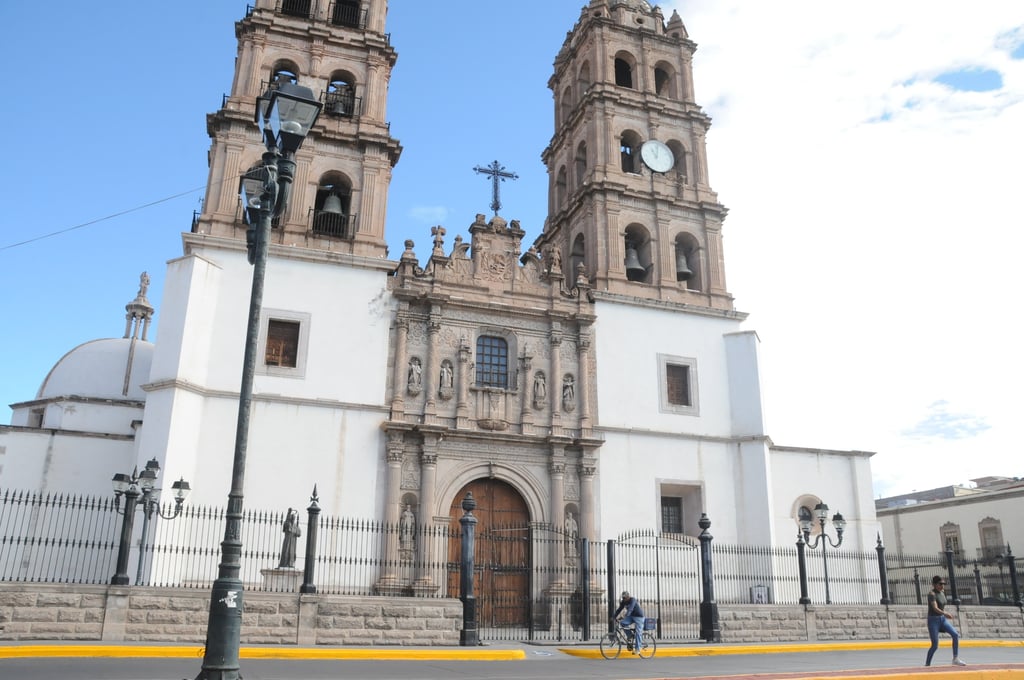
{"type": "Point", "coordinates": [611, 646]}
{"type": "Point", "coordinates": [648, 645]}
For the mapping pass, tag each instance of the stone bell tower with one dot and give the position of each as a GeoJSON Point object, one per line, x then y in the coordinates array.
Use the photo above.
{"type": "Point", "coordinates": [629, 195]}
{"type": "Point", "coordinates": [339, 50]}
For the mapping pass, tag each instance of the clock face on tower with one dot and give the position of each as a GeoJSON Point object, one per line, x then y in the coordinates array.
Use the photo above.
{"type": "Point", "coordinates": [657, 156]}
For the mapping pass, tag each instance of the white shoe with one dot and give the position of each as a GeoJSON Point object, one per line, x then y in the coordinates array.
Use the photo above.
{"type": "Point", "coordinates": [957, 661]}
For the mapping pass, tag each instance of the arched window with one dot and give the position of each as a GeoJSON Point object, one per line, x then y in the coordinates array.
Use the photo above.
{"type": "Point", "coordinates": [581, 163]}
{"type": "Point", "coordinates": [296, 8]}
{"type": "Point", "coordinates": [332, 211]}
{"type": "Point", "coordinates": [687, 261]}
{"type": "Point", "coordinates": [347, 13]}
{"type": "Point", "coordinates": [560, 188]}
{"type": "Point", "coordinates": [584, 79]}
{"type": "Point", "coordinates": [340, 98]}
{"type": "Point", "coordinates": [566, 105]}
{"type": "Point", "coordinates": [682, 159]}
{"type": "Point", "coordinates": [624, 70]}
{"type": "Point", "coordinates": [578, 255]}
{"type": "Point", "coordinates": [629, 147]}
{"type": "Point", "coordinates": [665, 80]}
{"type": "Point", "coordinates": [491, 361]}
{"type": "Point", "coordinates": [638, 260]}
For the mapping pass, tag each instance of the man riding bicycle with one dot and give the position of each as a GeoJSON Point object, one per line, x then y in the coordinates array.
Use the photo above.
{"type": "Point", "coordinates": [631, 613]}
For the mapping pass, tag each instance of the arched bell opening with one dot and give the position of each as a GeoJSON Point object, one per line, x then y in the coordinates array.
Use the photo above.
{"type": "Point", "coordinates": [687, 261]}
{"type": "Point", "coordinates": [340, 99]}
{"type": "Point", "coordinates": [332, 213]}
{"type": "Point", "coordinates": [638, 261]}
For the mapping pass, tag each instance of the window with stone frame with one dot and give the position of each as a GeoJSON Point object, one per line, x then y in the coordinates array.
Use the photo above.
{"type": "Point", "coordinates": [491, 361]}
{"type": "Point", "coordinates": [677, 381]}
{"type": "Point", "coordinates": [283, 341]}
{"type": "Point", "coordinates": [671, 515]}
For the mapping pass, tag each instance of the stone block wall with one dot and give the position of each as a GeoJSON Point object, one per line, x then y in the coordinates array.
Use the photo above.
{"type": "Point", "coordinates": [834, 623]}
{"type": "Point", "coordinates": [116, 614]}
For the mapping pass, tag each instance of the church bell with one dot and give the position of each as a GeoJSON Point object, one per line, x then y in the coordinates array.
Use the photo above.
{"type": "Point", "coordinates": [332, 205]}
{"type": "Point", "coordinates": [683, 272]}
{"type": "Point", "coordinates": [634, 270]}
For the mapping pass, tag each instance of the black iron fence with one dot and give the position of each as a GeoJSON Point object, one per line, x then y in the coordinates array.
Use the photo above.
{"type": "Point", "coordinates": [532, 581]}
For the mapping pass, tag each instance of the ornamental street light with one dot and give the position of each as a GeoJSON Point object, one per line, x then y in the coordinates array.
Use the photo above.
{"type": "Point", "coordinates": [285, 114]}
{"type": "Point", "coordinates": [132, 487]}
{"type": "Point", "coordinates": [823, 539]}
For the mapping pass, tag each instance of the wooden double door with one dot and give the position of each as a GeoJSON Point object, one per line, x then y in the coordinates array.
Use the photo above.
{"type": "Point", "coordinates": [502, 553]}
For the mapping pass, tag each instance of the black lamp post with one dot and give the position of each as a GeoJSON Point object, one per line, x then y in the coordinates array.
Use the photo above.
{"type": "Point", "coordinates": [285, 114]}
{"type": "Point", "coordinates": [132, 487]}
{"type": "Point", "coordinates": [821, 513]}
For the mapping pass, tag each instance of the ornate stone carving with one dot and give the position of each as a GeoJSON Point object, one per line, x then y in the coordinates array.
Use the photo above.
{"type": "Point", "coordinates": [410, 474]}
{"type": "Point", "coordinates": [572, 483]}
{"type": "Point", "coordinates": [415, 376]}
{"type": "Point", "coordinates": [447, 382]}
{"type": "Point", "coordinates": [568, 393]}
{"type": "Point", "coordinates": [540, 390]}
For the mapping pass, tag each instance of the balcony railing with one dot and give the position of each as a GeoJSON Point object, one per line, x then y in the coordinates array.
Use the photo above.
{"type": "Point", "coordinates": [333, 224]}
{"type": "Point", "coordinates": [342, 104]}
{"type": "Point", "coordinates": [349, 14]}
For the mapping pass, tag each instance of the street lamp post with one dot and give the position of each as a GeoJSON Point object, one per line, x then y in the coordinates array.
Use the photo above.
{"type": "Point", "coordinates": [285, 114]}
{"type": "Point", "coordinates": [821, 514]}
{"type": "Point", "coordinates": [133, 487]}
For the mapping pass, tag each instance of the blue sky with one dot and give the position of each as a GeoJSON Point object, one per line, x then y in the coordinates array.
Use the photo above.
{"type": "Point", "coordinates": [868, 155]}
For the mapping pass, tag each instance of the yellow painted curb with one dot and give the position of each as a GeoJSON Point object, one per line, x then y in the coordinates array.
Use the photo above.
{"type": "Point", "coordinates": [720, 650]}
{"type": "Point", "coordinates": [155, 651]}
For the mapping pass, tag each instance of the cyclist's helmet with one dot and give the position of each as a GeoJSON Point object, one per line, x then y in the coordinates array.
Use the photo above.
{"type": "Point", "coordinates": [625, 595]}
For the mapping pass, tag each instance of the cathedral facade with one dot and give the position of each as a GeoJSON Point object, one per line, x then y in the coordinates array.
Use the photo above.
{"type": "Point", "coordinates": [597, 380]}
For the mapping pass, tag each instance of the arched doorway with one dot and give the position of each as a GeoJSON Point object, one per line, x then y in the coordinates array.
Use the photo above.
{"type": "Point", "coordinates": [501, 555]}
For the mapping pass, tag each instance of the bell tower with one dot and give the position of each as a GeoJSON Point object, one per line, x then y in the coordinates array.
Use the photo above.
{"type": "Point", "coordinates": [340, 51]}
{"type": "Point", "coordinates": [629, 195]}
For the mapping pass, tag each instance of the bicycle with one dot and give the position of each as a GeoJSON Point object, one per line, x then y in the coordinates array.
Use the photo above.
{"type": "Point", "coordinates": [612, 642]}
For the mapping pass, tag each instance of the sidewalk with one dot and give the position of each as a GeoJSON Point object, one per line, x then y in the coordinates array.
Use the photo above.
{"type": "Point", "coordinates": [496, 652]}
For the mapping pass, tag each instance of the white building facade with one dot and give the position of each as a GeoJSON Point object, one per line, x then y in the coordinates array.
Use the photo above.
{"type": "Point", "coordinates": [599, 379]}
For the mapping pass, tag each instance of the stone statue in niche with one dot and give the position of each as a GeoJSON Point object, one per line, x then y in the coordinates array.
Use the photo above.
{"type": "Point", "coordinates": [568, 393]}
{"type": "Point", "coordinates": [292, 531]}
{"type": "Point", "coordinates": [572, 531]}
{"type": "Point", "coordinates": [415, 378]}
{"type": "Point", "coordinates": [447, 388]}
{"type": "Point", "coordinates": [540, 389]}
{"type": "Point", "coordinates": [407, 529]}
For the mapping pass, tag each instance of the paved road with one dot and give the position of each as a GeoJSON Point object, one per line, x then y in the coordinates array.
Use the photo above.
{"type": "Point", "coordinates": [541, 662]}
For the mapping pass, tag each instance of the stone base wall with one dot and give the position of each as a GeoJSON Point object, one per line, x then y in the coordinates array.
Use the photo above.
{"type": "Point", "coordinates": [121, 614]}
{"type": "Point", "coordinates": [850, 623]}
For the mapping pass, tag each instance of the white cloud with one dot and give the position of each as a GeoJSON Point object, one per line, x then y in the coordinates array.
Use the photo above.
{"type": "Point", "coordinates": [873, 231]}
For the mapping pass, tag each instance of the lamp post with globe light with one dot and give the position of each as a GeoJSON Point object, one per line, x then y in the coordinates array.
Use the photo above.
{"type": "Point", "coordinates": [823, 539]}
{"type": "Point", "coordinates": [285, 114]}
{"type": "Point", "coordinates": [140, 487]}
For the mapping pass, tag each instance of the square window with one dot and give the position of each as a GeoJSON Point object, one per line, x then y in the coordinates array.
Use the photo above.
{"type": "Point", "coordinates": [671, 515]}
{"type": "Point", "coordinates": [284, 343]}
{"type": "Point", "coordinates": [677, 382]}
{"type": "Point", "coordinates": [282, 347]}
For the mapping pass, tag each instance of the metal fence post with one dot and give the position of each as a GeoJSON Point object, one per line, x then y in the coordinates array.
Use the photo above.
{"type": "Point", "coordinates": [710, 627]}
{"type": "Point", "coordinates": [977, 581]}
{"type": "Point", "coordinates": [611, 583]}
{"type": "Point", "coordinates": [802, 566]}
{"type": "Point", "coordinates": [953, 597]}
{"type": "Point", "coordinates": [470, 634]}
{"type": "Point", "coordinates": [1011, 566]}
{"type": "Point", "coordinates": [585, 586]}
{"type": "Point", "coordinates": [917, 585]}
{"type": "Point", "coordinates": [882, 574]}
{"type": "Point", "coordinates": [313, 521]}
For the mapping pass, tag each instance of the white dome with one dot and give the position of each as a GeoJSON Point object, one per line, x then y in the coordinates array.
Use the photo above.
{"type": "Point", "coordinates": [98, 369]}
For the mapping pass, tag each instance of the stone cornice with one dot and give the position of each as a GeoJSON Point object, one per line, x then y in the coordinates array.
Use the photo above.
{"type": "Point", "coordinates": [67, 433]}
{"type": "Point", "coordinates": [616, 298]}
{"type": "Point", "coordinates": [270, 398]}
{"type": "Point", "coordinates": [296, 253]}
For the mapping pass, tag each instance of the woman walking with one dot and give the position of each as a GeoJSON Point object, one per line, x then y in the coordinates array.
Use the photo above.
{"type": "Point", "coordinates": [939, 621]}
